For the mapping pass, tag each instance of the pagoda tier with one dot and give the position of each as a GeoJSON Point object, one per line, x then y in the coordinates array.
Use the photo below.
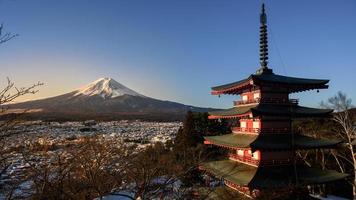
{"type": "Point", "coordinates": [269, 141]}
{"type": "Point", "coordinates": [240, 175]}
{"type": "Point", "coordinates": [269, 79]}
{"type": "Point", "coordinates": [256, 110]}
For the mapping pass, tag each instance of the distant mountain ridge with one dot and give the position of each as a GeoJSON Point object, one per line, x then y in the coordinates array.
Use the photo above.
{"type": "Point", "coordinates": [106, 98]}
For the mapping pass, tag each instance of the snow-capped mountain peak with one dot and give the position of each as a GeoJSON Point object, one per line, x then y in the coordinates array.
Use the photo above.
{"type": "Point", "coordinates": [106, 88]}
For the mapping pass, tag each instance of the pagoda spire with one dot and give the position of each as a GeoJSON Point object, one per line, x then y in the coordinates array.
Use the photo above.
{"type": "Point", "coordinates": [263, 43]}
{"type": "Point", "coordinates": [263, 38]}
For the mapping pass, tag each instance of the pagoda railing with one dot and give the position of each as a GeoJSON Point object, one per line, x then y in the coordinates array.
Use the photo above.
{"type": "Point", "coordinates": [249, 130]}
{"type": "Point", "coordinates": [241, 189]}
{"type": "Point", "coordinates": [260, 130]}
{"type": "Point", "coordinates": [255, 162]}
{"type": "Point", "coordinates": [250, 101]}
{"type": "Point", "coordinates": [267, 101]}
{"type": "Point", "coordinates": [279, 101]}
{"type": "Point", "coordinates": [275, 162]}
{"type": "Point", "coordinates": [294, 101]}
{"type": "Point", "coordinates": [275, 130]}
{"type": "Point", "coordinates": [244, 159]}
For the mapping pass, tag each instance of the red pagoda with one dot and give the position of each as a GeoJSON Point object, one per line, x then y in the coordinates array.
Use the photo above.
{"type": "Point", "coordinates": [262, 144]}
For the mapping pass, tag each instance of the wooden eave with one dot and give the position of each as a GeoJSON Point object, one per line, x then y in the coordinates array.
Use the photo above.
{"type": "Point", "coordinates": [291, 84]}
{"type": "Point", "coordinates": [270, 141]}
{"type": "Point", "coordinates": [269, 110]}
{"type": "Point", "coordinates": [269, 176]}
{"type": "Point", "coordinates": [233, 88]}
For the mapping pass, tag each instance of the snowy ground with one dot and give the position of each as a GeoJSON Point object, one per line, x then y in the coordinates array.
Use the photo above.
{"type": "Point", "coordinates": [138, 133]}
{"type": "Point", "coordinates": [329, 197]}
{"type": "Point", "coordinates": [122, 195]}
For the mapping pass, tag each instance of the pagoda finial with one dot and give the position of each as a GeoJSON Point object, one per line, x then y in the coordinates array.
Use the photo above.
{"type": "Point", "coordinates": [263, 38]}
{"type": "Point", "coordinates": [263, 43]}
{"type": "Point", "coordinates": [263, 17]}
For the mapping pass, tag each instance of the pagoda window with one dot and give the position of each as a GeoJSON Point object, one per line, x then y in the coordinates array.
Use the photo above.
{"type": "Point", "coordinates": [244, 98]}
{"type": "Point", "coordinates": [240, 152]}
{"type": "Point", "coordinates": [256, 155]}
{"type": "Point", "coordinates": [256, 95]}
{"type": "Point", "coordinates": [243, 124]}
{"type": "Point", "coordinates": [256, 124]}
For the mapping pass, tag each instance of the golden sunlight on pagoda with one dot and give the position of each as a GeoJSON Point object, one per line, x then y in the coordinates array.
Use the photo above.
{"type": "Point", "coordinates": [262, 144]}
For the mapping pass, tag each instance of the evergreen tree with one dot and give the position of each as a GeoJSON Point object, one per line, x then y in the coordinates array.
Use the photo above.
{"type": "Point", "coordinates": [189, 149]}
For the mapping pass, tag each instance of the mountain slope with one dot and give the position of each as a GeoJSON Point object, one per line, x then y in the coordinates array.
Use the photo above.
{"type": "Point", "coordinates": [109, 99]}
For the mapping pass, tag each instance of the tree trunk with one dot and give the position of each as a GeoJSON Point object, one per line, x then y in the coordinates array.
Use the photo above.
{"type": "Point", "coordinates": [354, 161]}
{"type": "Point", "coordinates": [354, 183]}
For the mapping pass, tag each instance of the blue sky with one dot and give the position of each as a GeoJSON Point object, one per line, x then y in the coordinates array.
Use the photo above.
{"type": "Point", "coordinates": [176, 50]}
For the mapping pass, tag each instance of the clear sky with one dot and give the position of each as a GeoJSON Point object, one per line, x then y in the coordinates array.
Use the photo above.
{"type": "Point", "coordinates": [176, 49]}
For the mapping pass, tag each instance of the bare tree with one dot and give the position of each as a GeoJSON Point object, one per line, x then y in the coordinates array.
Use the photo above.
{"type": "Point", "coordinates": [91, 167]}
{"type": "Point", "coordinates": [8, 95]}
{"type": "Point", "coordinates": [317, 128]}
{"type": "Point", "coordinates": [4, 37]}
{"type": "Point", "coordinates": [100, 165]}
{"type": "Point", "coordinates": [346, 129]}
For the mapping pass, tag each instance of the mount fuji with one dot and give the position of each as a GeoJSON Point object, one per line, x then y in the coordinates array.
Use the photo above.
{"type": "Point", "coordinates": [106, 88]}
{"type": "Point", "coordinates": [105, 99]}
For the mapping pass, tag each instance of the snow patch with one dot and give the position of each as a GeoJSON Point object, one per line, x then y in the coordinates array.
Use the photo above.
{"type": "Point", "coordinates": [329, 197]}
{"type": "Point", "coordinates": [106, 88]}
{"type": "Point", "coordinates": [123, 195]}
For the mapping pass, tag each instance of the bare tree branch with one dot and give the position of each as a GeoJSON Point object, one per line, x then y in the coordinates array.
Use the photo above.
{"type": "Point", "coordinates": [4, 37]}
{"type": "Point", "coordinates": [346, 128]}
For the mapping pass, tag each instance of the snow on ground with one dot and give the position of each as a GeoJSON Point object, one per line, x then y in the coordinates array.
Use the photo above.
{"type": "Point", "coordinates": [122, 195]}
{"type": "Point", "coordinates": [329, 197]}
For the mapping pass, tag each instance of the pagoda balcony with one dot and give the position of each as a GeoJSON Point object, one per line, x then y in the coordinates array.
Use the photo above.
{"type": "Point", "coordinates": [275, 162]}
{"type": "Point", "coordinates": [248, 130]}
{"type": "Point", "coordinates": [244, 159]}
{"type": "Point", "coordinates": [254, 162]}
{"type": "Point", "coordinates": [267, 101]}
{"type": "Point", "coordinates": [279, 101]}
{"type": "Point", "coordinates": [259, 130]}
{"type": "Point", "coordinates": [243, 102]}
{"type": "Point", "coordinates": [243, 190]}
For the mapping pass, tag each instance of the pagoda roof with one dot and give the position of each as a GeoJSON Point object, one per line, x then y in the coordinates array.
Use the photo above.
{"type": "Point", "coordinates": [270, 141]}
{"type": "Point", "coordinates": [270, 109]}
{"type": "Point", "coordinates": [231, 112]}
{"type": "Point", "coordinates": [289, 80]}
{"type": "Point", "coordinates": [269, 176]}
{"type": "Point", "coordinates": [232, 85]}
{"type": "Point", "coordinates": [292, 84]}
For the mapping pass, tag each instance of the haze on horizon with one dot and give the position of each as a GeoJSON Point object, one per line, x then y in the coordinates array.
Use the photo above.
{"type": "Point", "coordinates": [176, 50]}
